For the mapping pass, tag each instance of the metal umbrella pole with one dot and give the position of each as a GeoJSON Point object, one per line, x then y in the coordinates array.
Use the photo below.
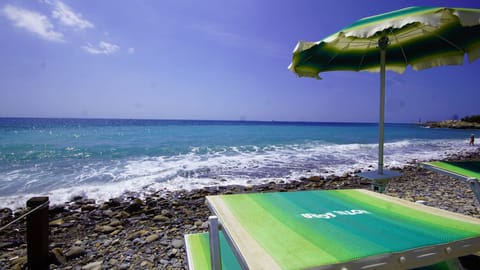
{"type": "Point", "coordinates": [382, 44]}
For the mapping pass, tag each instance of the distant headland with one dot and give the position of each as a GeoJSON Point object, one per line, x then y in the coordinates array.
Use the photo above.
{"type": "Point", "coordinates": [468, 122]}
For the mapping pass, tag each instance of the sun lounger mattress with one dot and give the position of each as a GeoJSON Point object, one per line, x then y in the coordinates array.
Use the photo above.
{"type": "Point", "coordinates": [328, 229]}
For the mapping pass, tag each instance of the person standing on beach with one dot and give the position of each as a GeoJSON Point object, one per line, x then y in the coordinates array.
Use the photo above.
{"type": "Point", "coordinates": [472, 139]}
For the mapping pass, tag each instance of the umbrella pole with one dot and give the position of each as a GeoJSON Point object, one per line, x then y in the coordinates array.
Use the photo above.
{"type": "Point", "coordinates": [382, 110]}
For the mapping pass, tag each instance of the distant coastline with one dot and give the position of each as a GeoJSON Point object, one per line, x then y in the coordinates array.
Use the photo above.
{"type": "Point", "coordinates": [456, 124]}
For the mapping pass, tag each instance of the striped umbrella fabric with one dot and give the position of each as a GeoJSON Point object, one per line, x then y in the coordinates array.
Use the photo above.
{"type": "Point", "coordinates": [341, 229]}
{"type": "Point", "coordinates": [420, 37]}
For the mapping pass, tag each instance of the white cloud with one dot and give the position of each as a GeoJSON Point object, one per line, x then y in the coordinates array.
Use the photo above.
{"type": "Point", "coordinates": [131, 50]}
{"type": "Point", "coordinates": [68, 17]}
{"type": "Point", "coordinates": [32, 21]}
{"type": "Point", "coordinates": [102, 48]}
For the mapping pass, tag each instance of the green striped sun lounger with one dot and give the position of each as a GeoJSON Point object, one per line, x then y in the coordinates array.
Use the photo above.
{"type": "Point", "coordinates": [337, 229]}
{"type": "Point", "coordinates": [464, 170]}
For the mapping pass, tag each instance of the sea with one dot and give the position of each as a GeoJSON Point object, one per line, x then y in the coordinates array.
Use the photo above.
{"type": "Point", "coordinates": [105, 158]}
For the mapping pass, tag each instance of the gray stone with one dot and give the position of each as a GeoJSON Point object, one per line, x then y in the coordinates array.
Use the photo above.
{"type": "Point", "coordinates": [152, 238]}
{"type": "Point", "coordinates": [78, 243]}
{"type": "Point", "coordinates": [108, 213]}
{"type": "Point", "coordinates": [178, 243]}
{"type": "Point", "coordinates": [124, 266]}
{"type": "Point", "coordinates": [75, 252]}
{"type": "Point", "coordinates": [138, 241]}
{"type": "Point", "coordinates": [135, 206]}
{"type": "Point", "coordinates": [58, 256]}
{"type": "Point", "coordinates": [105, 229]}
{"type": "Point", "coordinates": [146, 264]}
{"type": "Point", "coordinates": [56, 222]}
{"type": "Point", "coordinates": [115, 222]}
{"type": "Point", "coordinates": [107, 242]}
{"type": "Point", "coordinates": [160, 218]}
{"type": "Point", "coordinates": [93, 266]}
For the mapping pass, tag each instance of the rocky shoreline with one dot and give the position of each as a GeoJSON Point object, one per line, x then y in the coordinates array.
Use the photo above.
{"type": "Point", "coordinates": [457, 124]}
{"type": "Point", "coordinates": [134, 233]}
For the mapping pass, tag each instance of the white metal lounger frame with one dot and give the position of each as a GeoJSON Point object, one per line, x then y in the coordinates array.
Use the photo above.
{"type": "Point", "coordinates": [214, 228]}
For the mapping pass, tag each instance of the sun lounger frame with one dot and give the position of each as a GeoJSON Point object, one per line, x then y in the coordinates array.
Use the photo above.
{"type": "Point", "coordinates": [472, 181]}
{"type": "Point", "coordinates": [214, 228]}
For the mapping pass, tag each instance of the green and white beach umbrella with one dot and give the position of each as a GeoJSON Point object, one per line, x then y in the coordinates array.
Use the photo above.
{"type": "Point", "coordinates": [422, 37]}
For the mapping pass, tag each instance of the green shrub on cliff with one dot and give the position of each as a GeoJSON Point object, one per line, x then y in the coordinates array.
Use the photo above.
{"type": "Point", "coordinates": [472, 119]}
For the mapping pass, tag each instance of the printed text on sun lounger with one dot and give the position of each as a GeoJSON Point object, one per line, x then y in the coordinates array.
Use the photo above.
{"type": "Point", "coordinates": [334, 214]}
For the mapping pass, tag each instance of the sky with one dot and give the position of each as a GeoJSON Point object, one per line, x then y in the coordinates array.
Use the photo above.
{"type": "Point", "coordinates": [207, 60]}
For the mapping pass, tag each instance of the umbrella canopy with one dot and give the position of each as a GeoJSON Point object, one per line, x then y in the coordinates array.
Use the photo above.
{"type": "Point", "coordinates": [422, 37]}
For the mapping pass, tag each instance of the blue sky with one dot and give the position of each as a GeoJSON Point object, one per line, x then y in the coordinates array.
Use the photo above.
{"type": "Point", "coordinates": [219, 60]}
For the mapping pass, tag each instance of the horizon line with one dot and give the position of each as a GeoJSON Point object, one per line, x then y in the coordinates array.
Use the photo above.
{"type": "Point", "coordinates": [209, 120]}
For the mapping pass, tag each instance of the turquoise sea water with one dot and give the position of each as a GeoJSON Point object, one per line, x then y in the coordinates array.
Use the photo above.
{"type": "Point", "coordinates": [101, 159]}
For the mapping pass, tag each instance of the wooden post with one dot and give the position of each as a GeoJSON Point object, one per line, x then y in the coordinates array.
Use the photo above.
{"type": "Point", "coordinates": [37, 234]}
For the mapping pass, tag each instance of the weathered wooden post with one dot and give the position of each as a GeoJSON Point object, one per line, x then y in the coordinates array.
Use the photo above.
{"type": "Point", "coordinates": [37, 234]}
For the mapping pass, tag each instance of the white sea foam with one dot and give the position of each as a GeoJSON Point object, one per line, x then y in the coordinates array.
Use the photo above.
{"type": "Point", "coordinates": [200, 168]}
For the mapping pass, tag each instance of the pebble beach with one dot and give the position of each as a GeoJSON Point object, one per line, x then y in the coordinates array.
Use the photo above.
{"type": "Point", "coordinates": [147, 233]}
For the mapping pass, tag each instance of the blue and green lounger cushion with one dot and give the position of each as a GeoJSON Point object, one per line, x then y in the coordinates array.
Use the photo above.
{"type": "Point", "coordinates": [198, 255]}
{"type": "Point", "coordinates": [341, 229]}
